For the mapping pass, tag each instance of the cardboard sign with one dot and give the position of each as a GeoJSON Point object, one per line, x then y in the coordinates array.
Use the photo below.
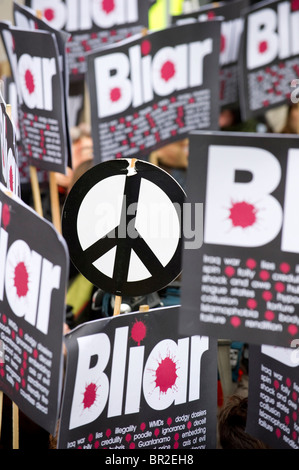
{"type": "Point", "coordinates": [133, 383]}
{"type": "Point", "coordinates": [269, 56]}
{"type": "Point", "coordinates": [9, 174]}
{"type": "Point", "coordinates": [122, 223]}
{"type": "Point", "coordinates": [231, 33]}
{"type": "Point", "coordinates": [153, 90]}
{"type": "Point", "coordinates": [273, 401]}
{"type": "Point", "coordinates": [243, 283]}
{"type": "Point", "coordinates": [24, 18]}
{"type": "Point", "coordinates": [34, 61]}
{"type": "Point", "coordinates": [33, 276]}
{"type": "Point", "coordinates": [11, 97]}
{"type": "Point", "coordinates": [92, 25]}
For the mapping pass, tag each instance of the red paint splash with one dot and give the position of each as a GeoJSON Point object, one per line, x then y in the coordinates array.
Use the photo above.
{"type": "Point", "coordinates": [243, 214]}
{"type": "Point", "coordinates": [115, 94]}
{"type": "Point", "coordinates": [21, 279]}
{"type": "Point", "coordinates": [49, 14]}
{"type": "Point", "coordinates": [138, 332]}
{"type": "Point", "coordinates": [90, 395]}
{"type": "Point", "coordinates": [166, 374]}
{"type": "Point", "coordinates": [5, 215]}
{"type": "Point", "coordinates": [263, 46]}
{"type": "Point", "coordinates": [145, 47]}
{"type": "Point", "coordinates": [11, 179]}
{"type": "Point", "coordinates": [167, 70]}
{"type": "Point", "coordinates": [29, 81]}
{"type": "Point", "coordinates": [108, 6]}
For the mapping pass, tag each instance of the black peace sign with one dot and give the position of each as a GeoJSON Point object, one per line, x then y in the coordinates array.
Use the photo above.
{"type": "Point", "coordinates": [106, 256]}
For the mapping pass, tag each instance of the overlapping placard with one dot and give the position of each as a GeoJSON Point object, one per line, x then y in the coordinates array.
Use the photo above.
{"type": "Point", "coordinates": [25, 18]}
{"type": "Point", "coordinates": [133, 383]}
{"type": "Point", "coordinates": [231, 34]}
{"type": "Point", "coordinates": [122, 221]}
{"type": "Point", "coordinates": [243, 283]}
{"type": "Point", "coordinates": [92, 25]}
{"type": "Point", "coordinates": [269, 56]}
{"type": "Point", "coordinates": [9, 165]}
{"type": "Point", "coordinates": [35, 65]}
{"type": "Point", "coordinates": [33, 276]}
{"type": "Point", "coordinates": [273, 401]}
{"type": "Point", "coordinates": [152, 90]}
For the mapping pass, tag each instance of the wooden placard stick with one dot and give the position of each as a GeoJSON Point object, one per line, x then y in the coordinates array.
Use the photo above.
{"type": "Point", "coordinates": [37, 201]}
{"type": "Point", "coordinates": [15, 426]}
{"type": "Point", "coordinates": [143, 308]}
{"type": "Point", "coordinates": [55, 206]}
{"type": "Point", "coordinates": [117, 304]}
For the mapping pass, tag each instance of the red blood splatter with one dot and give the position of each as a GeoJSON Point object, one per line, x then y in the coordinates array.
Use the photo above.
{"type": "Point", "coordinates": [138, 332]}
{"type": "Point", "coordinates": [169, 421]}
{"type": "Point", "coordinates": [243, 214]}
{"type": "Point", "coordinates": [5, 215]}
{"type": "Point", "coordinates": [251, 263]}
{"type": "Point", "coordinates": [166, 374]}
{"type": "Point", "coordinates": [278, 433]}
{"type": "Point", "coordinates": [263, 46]}
{"type": "Point", "coordinates": [29, 81]}
{"type": "Point", "coordinates": [269, 315]}
{"type": "Point", "coordinates": [279, 287]}
{"type": "Point", "coordinates": [90, 437]}
{"type": "Point", "coordinates": [189, 425]}
{"type": "Point", "coordinates": [276, 384]}
{"type": "Point", "coordinates": [287, 420]}
{"type": "Point", "coordinates": [288, 382]}
{"type": "Point", "coordinates": [294, 5]}
{"type": "Point", "coordinates": [235, 321]}
{"type": "Point", "coordinates": [132, 445]}
{"type": "Point", "coordinates": [229, 271]}
{"type": "Point", "coordinates": [115, 94]}
{"type": "Point", "coordinates": [11, 179]}
{"type": "Point", "coordinates": [251, 303]}
{"type": "Point", "coordinates": [211, 15]}
{"type": "Point", "coordinates": [264, 275]}
{"type": "Point", "coordinates": [285, 267]}
{"type": "Point", "coordinates": [108, 432]}
{"type": "Point", "coordinates": [142, 426]}
{"type": "Point", "coordinates": [267, 295]}
{"type": "Point", "coordinates": [128, 437]}
{"type": "Point", "coordinates": [108, 6]}
{"type": "Point", "coordinates": [157, 432]}
{"type": "Point", "coordinates": [49, 14]}
{"type": "Point", "coordinates": [292, 329]}
{"type": "Point", "coordinates": [21, 279]}
{"type": "Point", "coordinates": [90, 395]}
{"type": "Point", "coordinates": [167, 70]}
{"type": "Point", "coordinates": [145, 47]}
{"type": "Point", "coordinates": [294, 415]}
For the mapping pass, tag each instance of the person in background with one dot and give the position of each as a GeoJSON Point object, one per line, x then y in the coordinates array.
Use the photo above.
{"type": "Point", "coordinates": [232, 423]}
{"type": "Point", "coordinates": [291, 125]}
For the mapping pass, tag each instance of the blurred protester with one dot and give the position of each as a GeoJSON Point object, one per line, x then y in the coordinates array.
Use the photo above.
{"type": "Point", "coordinates": [232, 423]}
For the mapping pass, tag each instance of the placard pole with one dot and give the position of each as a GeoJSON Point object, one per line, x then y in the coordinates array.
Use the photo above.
{"type": "Point", "coordinates": [143, 308]}
{"type": "Point", "coordinates": [15, 426]}
{"type": "Point", "coordinates": [55, 207]}
{"type": "Point", "coordinates": [117, 304]}
{"type": "Point", "coordinates": [37, 201]}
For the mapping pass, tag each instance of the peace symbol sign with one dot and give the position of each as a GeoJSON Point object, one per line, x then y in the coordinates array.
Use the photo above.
{"type": "Point", "coordinates": [122, 222]}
